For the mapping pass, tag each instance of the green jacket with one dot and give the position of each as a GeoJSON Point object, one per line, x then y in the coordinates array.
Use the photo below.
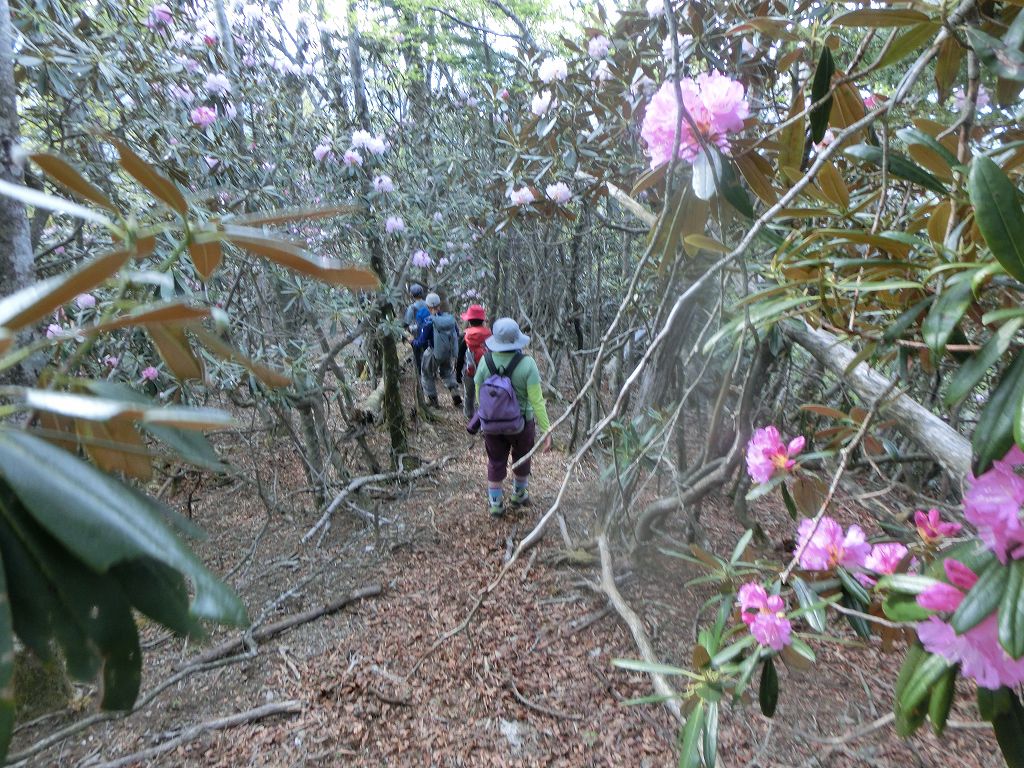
{"type": "Point", "coordinates": [526, 383]}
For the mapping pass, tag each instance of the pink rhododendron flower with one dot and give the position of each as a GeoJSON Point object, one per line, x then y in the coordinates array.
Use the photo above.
{"type": "Point", "coordinates": [321, 151]}
{"type": "Point", "coordinates": [559, 193]}
{"type": "Point", "coordinates": [930, 527]}
{"type": "Point", "coordinates": [825, 546]}
{"type": "Point", "coordinates": [159, 16]}
{"type": "Point", "coordinates": [553, 69]}
{"type": "Point", "coordinates": [85, 301]}
{"type": "Point", "coordinates": [383, 184]}
{"type": "Point", "coordinates": [204, 116]}
{"type": "Point", "coordinates": [181, 93]}
{"type": "Point", "coordinates": [377, 145]}
{"type": "Point", "coordinates": [960, 98]}
{"type": "Point", "coordinates": [767, 454]}
{"type": "Point", "coordinates": [541, 103]}
{"type": "Point", "coordinates": [765, 615]}
{"type": "Point", "coordinates": [871, 101]}
{"type": "Point", "coordinates": [150, 373]}
{"type": "Point", "coordinates": [361, 139]}
{"type": "Point", "coordinates": [992, 504]}
{"type": "Point", "coordinates": [598, 47]}
{"type": "Point", "coordinates": [54, 331]}
{"type": "Point", "coordinates": [884, 558]}
{"type": "Point", "coordinates": [210, 39]}
{"type": "Point", "coordinates": [503, 94]}
{"type": "Point", "coordinates": [111, 361]}
{"type": "Point", "coordinates": [715, 102]}
{"type": "Point", "coordinates": [211, 162]}
{"type": "Point", "coordinates": [352, 157]}
{"type": "Point", "coordinates": [394, 224]}
{"type": "Point", "coordinates": [655, 8]}
{"type": "Point", "coordinates": [218, 83]}
{"type": "Point", "coordinates": [421, 259]}
{"type": "Point", "coordinates": [522, 196]}
{"type": "Point", "coordinates": [977, 650]}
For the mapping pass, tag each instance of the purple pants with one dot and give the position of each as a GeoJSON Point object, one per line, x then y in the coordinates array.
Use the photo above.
{"type": "Point", "coordinates": [500, 446]}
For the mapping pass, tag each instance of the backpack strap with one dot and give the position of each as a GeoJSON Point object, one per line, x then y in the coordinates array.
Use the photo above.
{"type": "Point", "coordinates": [507, 370]}
{"type": "Point", "coordinates": [513, 363]}
{"type": "Point", "coordinates": [491, 367]}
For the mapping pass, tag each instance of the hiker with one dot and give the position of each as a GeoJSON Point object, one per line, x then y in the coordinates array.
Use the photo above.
{"type": "Point", "coordinates": [438, 342]}
{"type": "Point", "coordinates": [471, 349]}
{"type": "Point", "coordinates": [511, 411]}
{"type": "Point", "coordinates": [412, 321]}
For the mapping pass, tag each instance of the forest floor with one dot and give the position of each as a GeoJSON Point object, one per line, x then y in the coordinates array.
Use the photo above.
{"type": "Point", "coordinates": [530, 682]}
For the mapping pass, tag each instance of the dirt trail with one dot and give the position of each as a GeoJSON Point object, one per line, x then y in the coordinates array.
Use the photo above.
{"type": "Point", "coordinates": [529, 683]}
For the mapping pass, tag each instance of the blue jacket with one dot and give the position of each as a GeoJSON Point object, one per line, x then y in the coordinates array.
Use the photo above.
{"type": "Point", "coordinates": [425, 325]}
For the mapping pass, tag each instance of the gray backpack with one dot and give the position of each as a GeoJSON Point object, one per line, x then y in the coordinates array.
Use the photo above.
{"type": "Point", "coordinates": [446, 338]}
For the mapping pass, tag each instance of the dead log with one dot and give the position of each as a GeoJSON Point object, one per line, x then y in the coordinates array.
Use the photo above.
{"type": "Point", "coordinates": [368, 409]}
{"type": "Point", "coordinates": [940, 441]}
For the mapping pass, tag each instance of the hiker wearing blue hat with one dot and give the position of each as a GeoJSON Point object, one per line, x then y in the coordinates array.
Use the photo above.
{"type": "Point", "coordinates": [414, 313]}
{"type": "Point", "coordinates": [511, 411]}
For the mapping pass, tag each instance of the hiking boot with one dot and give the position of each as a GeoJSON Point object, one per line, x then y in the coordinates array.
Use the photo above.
{"type": "Point", "coordinates": [433, 402]}
{"type": "Point", "coordinates": [456, 400]}
{"type": "Point", "coordinates": [520, 498]}
{"type": "Point", "coordinates": [496, 510]}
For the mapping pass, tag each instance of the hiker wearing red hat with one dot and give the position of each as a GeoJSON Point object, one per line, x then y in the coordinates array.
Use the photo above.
{"type": "Point", "coordinates": [471, 349]}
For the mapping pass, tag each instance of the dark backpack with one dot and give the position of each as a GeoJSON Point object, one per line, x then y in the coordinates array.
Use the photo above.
{"type": "Point", "coordinates": [499, 405]}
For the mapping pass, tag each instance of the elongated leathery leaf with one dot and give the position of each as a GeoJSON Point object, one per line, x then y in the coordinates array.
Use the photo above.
{"type": "Point", "coordinates": [945, 315]}
{"type": "Point", "coordinates": [993, 434]}
{"type": "Point", "coordinates": [821, 85]}
{"type": "Point", "coordinates": [899, 166]}
{"type": "Point", "coordinates": [998, 213]}
{"type": "Point", "coordinates": [1011, 611]}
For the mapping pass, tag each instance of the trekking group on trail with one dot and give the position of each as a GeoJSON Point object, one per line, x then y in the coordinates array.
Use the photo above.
{"type": "Point", "coordinates": [501, 396]}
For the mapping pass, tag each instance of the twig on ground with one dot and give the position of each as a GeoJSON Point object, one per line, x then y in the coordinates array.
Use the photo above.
{"type": "Point", "coordinates": [195, 731]}
{"type": "Point", "coordinates": [510, 683]}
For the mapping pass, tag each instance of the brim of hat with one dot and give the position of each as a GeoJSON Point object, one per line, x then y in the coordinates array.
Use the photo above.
{"type": "Point", "coordinates": [494, 345]}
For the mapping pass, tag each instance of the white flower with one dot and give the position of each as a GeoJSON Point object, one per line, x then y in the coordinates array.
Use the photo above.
{"type": "Point", "coordinates": [553, 69]}
{"type": "Point", "coordinates": [522, 196]}
{"type": "Point", "coordinates": [377, 145]}
{"type": "Point", "coordinates": [218, 83]}
{"type": "Point", "coordinates": [541, 103]}
{"type": "Point", "coordinates": [559, 193]}
{"type": "Point", "coordinates": [361, 139]}
{"type": "Point", "coordinates": [603, 73]}
{"type": "Point", "coordinates": [655, 8]}
{"type": "Point", "coordinates": [383, 184]}
{"type": "Point", "coordinates": [598, 47]}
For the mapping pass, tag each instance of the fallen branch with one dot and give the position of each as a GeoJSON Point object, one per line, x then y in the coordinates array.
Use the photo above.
{"type": "Point", "coordinates": [636, 628]}
{"type": "Point", "coordinates": [278, 627]}
{"type": "Point", "coordinates": [935, 437]}
{"type": "Point", "coordinates": [195, 731]}
{"type": "Point", "coordinates": [359, 482]}
{"type": "Point", "coordinates": [510, 683]}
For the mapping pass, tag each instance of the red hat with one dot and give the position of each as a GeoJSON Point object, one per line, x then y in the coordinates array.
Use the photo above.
{"type": "Point", "coordinates": [475, 312]}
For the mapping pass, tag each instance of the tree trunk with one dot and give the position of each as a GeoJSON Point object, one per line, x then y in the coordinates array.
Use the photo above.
{"type": "Point", "coordinates": [16, 263]}
{"type": "Point", "coordinates": [394, 414]}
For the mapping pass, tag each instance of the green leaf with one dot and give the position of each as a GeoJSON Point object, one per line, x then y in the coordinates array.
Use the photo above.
{"type": "Point", "coordinates": [741, 545]}
{"type": "Point", "coordinates": [711, 735]}
{"type": "Point", "coordinates": [103, 521]}
{"type": "Point", "coordinates": [158, 591]}
{"type": "Point", "coordinates": [914, 136]}
{"type": "Point", "coordinates": [6, 666]}
{"type": "Point", "coordinates": [1005, 61]}
{"type": "Point", "coordinates": [1011, 611]}
{"type": "Point", "coordinates": [787, 499]}
{"type": "Point", "coordinates": [732, 651]}
{"type": "Point", "coordinates": [942, 700]}
{"type": "Point", "coordinates": [689, 751]}
{"type": "Point", "coordinates": [908, 42]}
{"type": "Point", "coordinates": [992, 703]}
{"type": "Point", "coordinates": [852, 587]}
{"type": "Point", "coordinates": [733, 191]}
{"type": "Point", "coordinates": [945, 315]}
{"type": "Point", "coordinates": [907, 319]}
{"type": "Point", "coordinates": [768, 691]}
{"type": "Point", "coordinates": [982, 600]}
{"type": "Point", "coordinates": [899, 166]}
{"type": "Point", "coordinates": [907, 583]}
{"type": "Point", "coordinates": [819, 88]}
{"type": "Point", "coordinates": [636, 665]}
{"type": "Point", "coordinates": [1009, 730]}
{"type": "Point", "coordinates": [993, 434]}
{"type": "Point", "coordinates": [37, 199]}
{"type": "Point", "coordinates": [920, 682]}
{"type": "Point", "coordinates": [898, 606]}
{"type": "Point", "coordinates": [973, 370]}
{"type": "Point", "coordinates": [809, 600]}
{"type": "Point", "coordinates": [998, 213]}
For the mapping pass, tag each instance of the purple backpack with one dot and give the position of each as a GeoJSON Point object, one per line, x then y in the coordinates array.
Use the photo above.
{"type": "Point", "coordinates": [499, 406]}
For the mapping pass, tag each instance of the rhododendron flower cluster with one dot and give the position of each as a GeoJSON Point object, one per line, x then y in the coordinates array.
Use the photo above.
{"type": "Point", "coordinates": [765, 615]}
{"type": "Point", "coordinates": [883, 559]}
{"type": "Point", "coordinates": [960, 98]}
{"type": "Point", "coordinates": [930, 527]}
{"type": "Point", "coordinates": [383, 184]}
{"type": "Point", "coordinates": [322, 150]}
{"type": "Point", "coordinates": [767, 454]}
{"type": "Point", "coordinates": [181, 93]}
{"type": "Point", "coordinates": [977, 650]}
{"type": "Point", "coordinates": [553, 69]}
{"type": "Point", "coordinates": [54, 331]}
{"type": "Point", "coordinates": [352, 158]}
{"type": "Point", "coordinates": [558, 192]}
{"type": "Point", "coordinates": [522, 196]}
{"type": "Point", "coordinates": [421, 259]}
{"type": "Point", "coordinates": [375, 145]}
{"type": "Point", "coordinates": [159, 16]}
{"type": "Point", "coordinates": [111, 361]}
{"type": "Point", "coordinates": [218, 83]}
{"type": "Point", "coordinates": [655, 8]}
{"type": "Point", "coordinates": [992, 505]}
{"type": "Point", "coordinates": [149, 373]}
{"type": "Point", "coordinates": [715, 102]}
{"type": "Point", "coordinates": [540, 103]}
{"type": "Point", "coordinates": [598, 47]}
{"type": "Point", "coordinates": [85, 301]}
{"type": "Point", "coordinates": [204, 116]}
{"type": "Point", "coordinates": [394, 224]}
{"type": "Point", "coordinates": [822, 545]}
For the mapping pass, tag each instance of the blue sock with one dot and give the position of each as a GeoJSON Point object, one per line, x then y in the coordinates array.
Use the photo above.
{"type": "Point", "coordinates": [494, 495]}
{"type": "Point", "coordinates": [519, 484]}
